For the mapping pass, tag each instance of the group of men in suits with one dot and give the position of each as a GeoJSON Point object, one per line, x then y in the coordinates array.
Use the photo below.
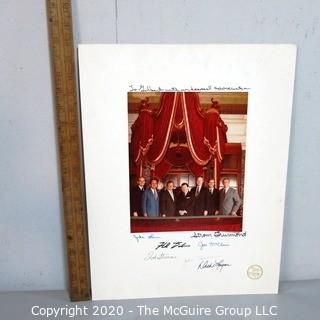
{"type": "Point", "coordinates": [199, 201]}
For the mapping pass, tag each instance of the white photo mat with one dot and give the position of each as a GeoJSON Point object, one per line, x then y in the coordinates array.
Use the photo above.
{"type": "Point", "coordinates": [119, 268]}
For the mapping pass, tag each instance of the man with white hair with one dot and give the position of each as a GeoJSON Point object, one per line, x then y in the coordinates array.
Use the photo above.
{"type": "Point", "coordinates": [230, 201]}
{"type": "Point", "coordinates": [200, 194]}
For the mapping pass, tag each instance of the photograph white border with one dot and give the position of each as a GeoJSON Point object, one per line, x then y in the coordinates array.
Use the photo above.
{"type": "Point", "coordinates": [117, 259]}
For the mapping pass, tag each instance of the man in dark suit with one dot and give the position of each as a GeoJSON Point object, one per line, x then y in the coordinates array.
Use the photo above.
{"type": "Point", "coordinates": [230, 201]}
{"type": "Point", "coordinates": [160, 188]}
{"type": "Point", "coordinates": [213, 198]}
{"type": "Point", "coordinates": [168, 201]}
{"type": "Point", "coordinates": [200, 194]}
{"type": "Point", "coordinates": [185, 201]}
{"type": "Point", "coordinates": [136, 198]}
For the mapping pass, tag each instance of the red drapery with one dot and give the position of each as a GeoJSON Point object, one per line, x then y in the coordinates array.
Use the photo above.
{"type": "Point", "coordinates": [195, 169]}
{"type": "Point", "coordinates": [142, 136]}
{"type": "Point", "coordinates": [215, 133]}
{"type": "Point", "coordinates": [162, 129]}
{"type": "Point", "coordinates": [162, 169]}
{"type": "Point", "coordinates": [194, 126]}
{"type": "Point", "coordinates": [215, 138]}
{"type": "Point", "coordinates": [152, 132]}
{"type": "Point", "coordinates": [177, 157]}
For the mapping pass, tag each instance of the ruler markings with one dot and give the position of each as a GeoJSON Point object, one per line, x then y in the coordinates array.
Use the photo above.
{"type": "Point", "coordinates": [62, 55]}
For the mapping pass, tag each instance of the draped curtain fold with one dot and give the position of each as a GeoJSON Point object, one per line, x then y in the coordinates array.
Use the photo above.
{"type": "Point", "coordinates": [152, 132]}
{"type": "Point", "coordinates": [195, 169]}
{"type": "Point", "coordinates": [142, 134]}
{"type": "Point", "coordinates": [163, 124]}
{"type": "Point", "coordinates": [194, 126]}
{"type": "Point", "coordinates": [215, 136]}
{"type": "Point", "coordinates": [162, 169]}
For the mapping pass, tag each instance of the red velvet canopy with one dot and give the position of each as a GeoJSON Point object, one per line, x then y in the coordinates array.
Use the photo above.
{"type": "Point", "coordinates": [177, 134]}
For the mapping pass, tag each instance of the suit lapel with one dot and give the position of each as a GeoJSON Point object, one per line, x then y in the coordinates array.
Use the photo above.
{"type": "Point", "coordinates": [169, 195]}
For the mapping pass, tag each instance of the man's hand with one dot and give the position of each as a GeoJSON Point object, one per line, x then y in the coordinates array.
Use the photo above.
{"type": "Point", "coordinates": [205, 212]}
{"type": "Point", "coordinates": [234, 213]}
{"type": "Point", "coordinates": [216, 212]}
{"type": "Point", "coordinates": [135, 214]}
{"type": "Point", "coordinates": [145, 214]}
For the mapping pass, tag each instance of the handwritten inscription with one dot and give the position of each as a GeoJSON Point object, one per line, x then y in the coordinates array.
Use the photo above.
{"type": "Point", "coordinates": [203, 245]}
{"type": "Point", "coordinates": [155, 256]}
{"type": "Point", "coordinates": [201, 235]}
{"type": "Point", "coordinates": [150, 88]}
{"type": "Point", "coordinates": [172, 245]}
{"type": "Point", "coordinates": [217, 265]}
{"type": "Point", "coordinates": [218, 234]}
{"type": "Point", "coordinates": [139, 237]}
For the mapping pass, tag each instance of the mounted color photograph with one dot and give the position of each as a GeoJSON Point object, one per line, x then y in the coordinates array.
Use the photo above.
{"type": "Point", "coordinates": [186, 160]}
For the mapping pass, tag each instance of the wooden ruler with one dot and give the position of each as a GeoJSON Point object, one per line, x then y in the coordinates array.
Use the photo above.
{"type": "Point", "coordinates": [68, 122]}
